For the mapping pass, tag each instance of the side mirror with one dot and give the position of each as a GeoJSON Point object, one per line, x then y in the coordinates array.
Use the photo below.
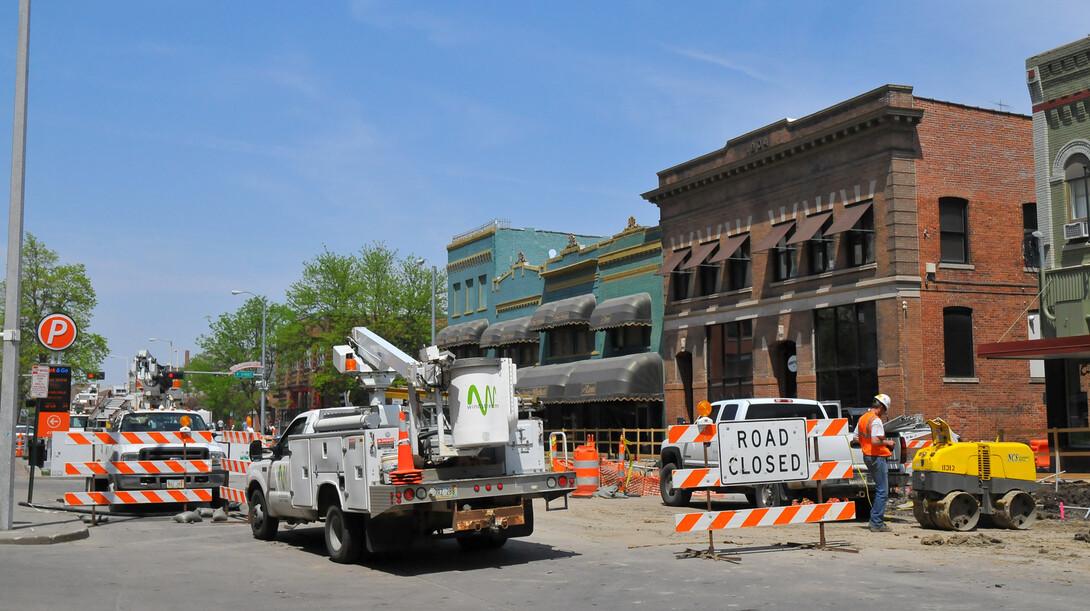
{"type": "Point", "coordinates": [256, 450]}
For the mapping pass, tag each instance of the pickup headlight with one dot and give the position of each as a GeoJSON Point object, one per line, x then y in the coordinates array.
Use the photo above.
{"type": "Point", "coordinates": [217, 459]}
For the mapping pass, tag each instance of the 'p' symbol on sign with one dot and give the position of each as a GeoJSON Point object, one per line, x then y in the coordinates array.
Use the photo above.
{"type": "Point", "coordinates": [57, 331]}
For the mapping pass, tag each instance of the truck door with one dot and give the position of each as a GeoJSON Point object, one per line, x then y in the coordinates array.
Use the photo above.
{"type": "Point", "coordinates": [280, 471]}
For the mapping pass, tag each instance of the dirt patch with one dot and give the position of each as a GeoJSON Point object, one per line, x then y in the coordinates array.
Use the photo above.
{"type": "Point", "coordinates": [1072, 494]}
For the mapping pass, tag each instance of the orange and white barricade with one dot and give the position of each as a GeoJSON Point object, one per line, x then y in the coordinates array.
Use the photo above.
{"type": "Point", "coordinates": [139, 497]}
{"type": "Point", "coordinates": [767, 516]}
{"type": "Point", "coordinates": [139, 467]}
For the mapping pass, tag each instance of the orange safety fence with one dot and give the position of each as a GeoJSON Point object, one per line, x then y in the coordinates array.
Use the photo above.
{"type": "Point", "coordinates": [638, 481]}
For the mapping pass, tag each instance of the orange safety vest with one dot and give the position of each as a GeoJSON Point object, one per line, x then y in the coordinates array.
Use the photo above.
{"type": "Point", "coordinates": [869, 448]}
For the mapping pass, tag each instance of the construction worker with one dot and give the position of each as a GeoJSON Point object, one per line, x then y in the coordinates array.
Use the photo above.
{"type": "Point", "coordinates": [876, 449]}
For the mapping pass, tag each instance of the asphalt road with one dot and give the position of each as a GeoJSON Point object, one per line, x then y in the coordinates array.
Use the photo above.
{"type": "Point", "coordinates": [153, 562]}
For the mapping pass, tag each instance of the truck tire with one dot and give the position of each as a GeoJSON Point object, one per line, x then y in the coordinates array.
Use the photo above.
{"type": "Point", "coordinates": [261, 524]}
{"type": "Point", "coordinates": [343, 535]}
{"type": "Point", "coordinates": [766, 495]}
{"type": "Point", "coordinates": [673, 497]}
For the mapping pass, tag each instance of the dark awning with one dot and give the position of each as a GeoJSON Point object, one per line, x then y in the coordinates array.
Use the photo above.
{"type": "Point", "coordinates": [672, 261]}
{"type": "Point", "coordinates": [808, 227]}
{"type": "Point", "coordinates": [571, 311]}
{"type": "Point", "coordinates": [461, 334]}
{"type": "Point", "coordinates": [728, 246]}
{"type": "Point", "coordinates": [847, 219]}
{"type": "Point", "coordinates": [635, 377]}
{"type": "Point", "coordinates": [622, 311]}
{"type": "Point", "coordinates": [1076, 347]}
{"type": "Point", "coordinates": [515, 331]}
{"type": "Point", "coordinates": [545, 382]}
{"type": "Point", "coordinates": [700, 252]}
{"type": "Point", "coordinates": [774, 235]}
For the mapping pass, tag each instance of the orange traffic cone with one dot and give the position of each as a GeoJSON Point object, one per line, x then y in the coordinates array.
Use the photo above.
{"type": "Point", "coordinates": [405, 473]}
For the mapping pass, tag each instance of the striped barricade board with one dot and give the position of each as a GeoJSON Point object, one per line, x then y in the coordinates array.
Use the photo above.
{"type": "Point", "coordinates": [236, 466]}
{"type": "Point", "coordinates": [233, 494]}
{"type": "Point", "coordinates": [709, 478]}
{"type": "Point", "coordinates": [769, 516]}
{"type": "Point", "coordinates": [916, 444]}
{"type": "Point", "coordinates": [139, 467]}
{"type": "Point", "coordinates": [139, 497]}
{"type": "Point", "coordinates": [100, 437]}
{"type": "Point", "coordinates": [239, 437]}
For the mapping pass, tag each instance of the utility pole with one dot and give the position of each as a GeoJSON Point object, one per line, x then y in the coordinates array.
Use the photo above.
{"type": "Point", "coordinates": [13, 304]}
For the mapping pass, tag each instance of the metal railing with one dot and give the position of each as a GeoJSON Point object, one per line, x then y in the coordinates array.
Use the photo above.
{"type": "Point", "coordinates": [640, 444]}
{"type": "Point", "coordinates": [1053, 437]}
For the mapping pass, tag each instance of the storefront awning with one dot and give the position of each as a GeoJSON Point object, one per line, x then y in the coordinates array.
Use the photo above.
{"type": "Point", "coordinates": [461, 334]}
{"type": "Point", "coordinates": [728, 246]}
{"type": "Point", "coordinates": [635, 377]}
{"type": "Point", "coordinates": [1077, 347]}
{"type": "Point", "coordinates": [672, 261]}
{"type": "Point", "coordinates": [775, 234]}
{"type": "Point", "coordinates": [571, 311]}
{"type": "Point", "coordinates": [630, 310]}
{"type": "Point", "coordinates": [700, 252]}
{"type": "Point", "coordinates": [508, 332]}
{"type": "Point", "coordinates": [808, 227]}
{"type": "Point", "coordinates": [848, 218]}
{"type": "Point", "coordinates": [545, 382]}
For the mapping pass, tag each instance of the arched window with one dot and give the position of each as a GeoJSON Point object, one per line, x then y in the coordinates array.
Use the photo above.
{"type": "Point", "coordinates": [1077, 177]}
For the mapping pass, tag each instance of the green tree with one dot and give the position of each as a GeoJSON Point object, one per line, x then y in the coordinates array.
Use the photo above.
{"type": "Point", "coordinates": [235, 337]}
{"type": "Point", "coordinates": [373, 288]}
{"type": "Point", "coordinates": [51, 287]}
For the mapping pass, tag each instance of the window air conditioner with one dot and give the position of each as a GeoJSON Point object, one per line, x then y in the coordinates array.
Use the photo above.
{"type": "Point", "coordinates": [1075, 231]}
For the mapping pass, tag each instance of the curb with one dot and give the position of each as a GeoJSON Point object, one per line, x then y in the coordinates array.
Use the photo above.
{"type": "Point", "coordinates": [37, 539]}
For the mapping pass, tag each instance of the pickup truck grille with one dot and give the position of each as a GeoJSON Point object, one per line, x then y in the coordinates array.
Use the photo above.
{"type": "Point", "coordinates": [173, 453]}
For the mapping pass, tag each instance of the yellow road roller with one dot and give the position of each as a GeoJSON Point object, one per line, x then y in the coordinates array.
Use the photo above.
{"type": "Point", "coordinates": [956, 485]}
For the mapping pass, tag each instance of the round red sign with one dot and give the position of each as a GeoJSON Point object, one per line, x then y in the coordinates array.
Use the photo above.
{"type": "Point", "coordinates": [57, 331]}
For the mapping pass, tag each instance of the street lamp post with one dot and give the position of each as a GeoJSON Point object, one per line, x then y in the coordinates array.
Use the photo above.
{"type": "Point", "coordinates": [171, 342]}
{"type": "Point", "coordinates": [264, 382]}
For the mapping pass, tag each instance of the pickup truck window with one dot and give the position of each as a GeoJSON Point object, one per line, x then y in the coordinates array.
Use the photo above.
{"type": "Point", "coordinates": [160, 421]}
{"type": "Point", "coordinates": [728, 412]}
{"type": "Point", "coordinates": [760, 411]}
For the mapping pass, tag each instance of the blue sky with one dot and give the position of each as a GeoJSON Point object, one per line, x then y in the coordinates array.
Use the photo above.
{"type": "Point", "coordinates": [183, 149]}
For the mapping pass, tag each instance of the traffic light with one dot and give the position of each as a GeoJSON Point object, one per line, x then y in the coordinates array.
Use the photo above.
{"type": "Point", "coordinates": [174, 378]}
{"type": "Point", "coordinates": [96, 375]}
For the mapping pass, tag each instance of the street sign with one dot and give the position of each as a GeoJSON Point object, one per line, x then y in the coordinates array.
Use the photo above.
{"type": "Point", "coordinates": [759, 451]}
{"type": "Point", "coordinates": [246, 365]}
{"type": "Point", "coordinates": [39, 382]}
{"type": "Point", "coordinates": [244, 374]}
{"type": "Point", "coordinates": [57, 331]}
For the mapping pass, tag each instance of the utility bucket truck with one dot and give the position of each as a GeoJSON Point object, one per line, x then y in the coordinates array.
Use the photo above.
{"type": "Point", "coordinates": [383, 476]}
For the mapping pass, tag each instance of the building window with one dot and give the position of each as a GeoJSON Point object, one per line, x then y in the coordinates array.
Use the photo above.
{"type": "Point", "coordinates": [707, 278]}
{"type": "Point", "coordinates": [730, 360]}
{"type": "Point", "coordinates": [954, 230]}
{"type": "Point", "coordinates": [522, 355]}
{"type": "Point", "coordinates": [570, 341]}
{"type": "Point", "coordinates": [455, 288]}
{"type": "Point", "coordinates": [470, 295]}
{"type": "Point", "coordinates": [481, 282]}
{"type": "Point", "coordinates": [822, 253]}
{"type": "Point", "coordinates": [784, 259]}
{"type": "Point", "coordinates": [1077, 176]}
{"type": "Point", "coordinates": [632, 339]}
{"type": "Point", "coordinates": [680, 281]}
{"type": "Point", "coordinates": [739, 269]}
{"type": "Point", "coordinates": [860, 240]}
{"type": "Point", "coordinates": [957, 337]}
{"type": "Point", "coordinates": [846, 354]}
{"type": "Point", "coordinates": [1031, 244]}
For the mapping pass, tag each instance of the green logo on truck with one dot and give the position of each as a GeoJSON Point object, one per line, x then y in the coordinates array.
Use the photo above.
{"type": "Point", "coordinates": [489, 398]}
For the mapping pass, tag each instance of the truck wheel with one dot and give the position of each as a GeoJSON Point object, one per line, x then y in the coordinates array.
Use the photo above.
{"type": "Point", "coordinates": [343, 535]}
{"type": "Point", "coordinates": [766, 495]}
{"type": "Point", "coordinates": [673, 497]}
{"type": "Point", "coordinates": [261, 524]}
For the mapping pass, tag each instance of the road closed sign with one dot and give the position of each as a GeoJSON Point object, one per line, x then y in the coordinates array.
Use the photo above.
{"type": "Point", "coordinates": [760, 451]}
{"type": "Point", "coordinates": [57, 331]}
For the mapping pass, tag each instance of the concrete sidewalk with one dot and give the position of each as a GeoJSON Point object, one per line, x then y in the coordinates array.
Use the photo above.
{"type": "Point", "coordinates": [42, 524]}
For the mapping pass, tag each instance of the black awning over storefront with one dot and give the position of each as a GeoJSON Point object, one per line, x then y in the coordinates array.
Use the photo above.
{"type": "Point", "coordinates": [629, 310]}
{"type": "Point", "coordinates": [571, 311]}
{"type": "Point", "coordinates": [545, 382]}
{"type": "Point", "coordinates": [635, 377]}
{"type": "Point", "coordinates": [508, 332]}
{"type": "Point", "coordinates": [461, 334]}
{"type": "Point", "coordinates": [1076, 347]}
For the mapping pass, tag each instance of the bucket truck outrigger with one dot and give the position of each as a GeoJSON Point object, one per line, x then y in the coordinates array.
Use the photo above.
{"type": "Point", "coordinates": [383, 476]}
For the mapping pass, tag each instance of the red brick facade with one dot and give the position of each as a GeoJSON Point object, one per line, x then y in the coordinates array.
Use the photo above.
{"type": "Point", "coordinates": [897, 154]}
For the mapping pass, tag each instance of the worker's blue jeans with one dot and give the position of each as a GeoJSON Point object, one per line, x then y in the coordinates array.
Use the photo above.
{"type": "Point", "coordinates": [879, 470]}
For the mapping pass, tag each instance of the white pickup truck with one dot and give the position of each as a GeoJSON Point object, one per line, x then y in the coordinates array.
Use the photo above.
{"type": "Point", "coordinates": [859, 487]}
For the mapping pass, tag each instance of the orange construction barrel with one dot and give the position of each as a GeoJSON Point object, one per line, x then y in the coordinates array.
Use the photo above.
{"type": "Point", "coordinates": [586, 471]}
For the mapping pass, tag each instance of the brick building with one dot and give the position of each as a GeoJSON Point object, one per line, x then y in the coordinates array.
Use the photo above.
{"type": "Point", "coordinates": [865, 248]}
{"type": "Point", "coordinates": [1059, 87]}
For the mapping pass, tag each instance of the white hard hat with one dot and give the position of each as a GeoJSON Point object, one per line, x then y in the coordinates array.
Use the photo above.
{"type": "Point", "coordinates": [883, 399]}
